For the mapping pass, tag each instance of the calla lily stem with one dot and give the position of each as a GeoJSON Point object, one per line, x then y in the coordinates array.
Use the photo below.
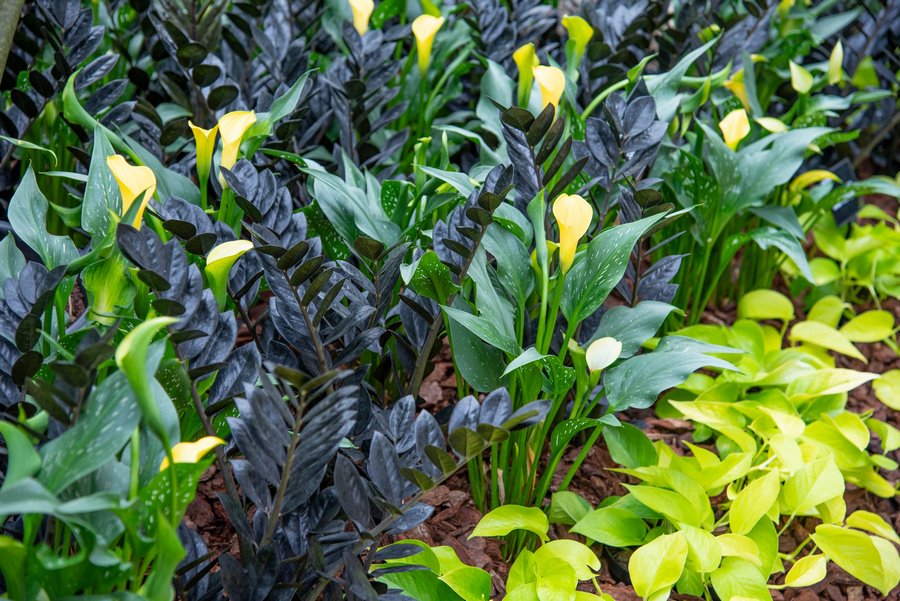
{"type": "Point", "coordinates": [601, 97]}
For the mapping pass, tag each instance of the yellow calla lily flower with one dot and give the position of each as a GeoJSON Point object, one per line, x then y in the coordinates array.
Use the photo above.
{"type": "Point", "coordinates": [602, 353]}
{"type": "Point", "coordinates": [552, 82]}
{"type": "Point", "coordinates": [526, 59]}
{"type": "Point", "coordinates": [573, 216]}
{"type": "Point", "coordinates": [580, 32]}
{"type": "Point", "coordinates": [192, 452]}
{"type": "Point", "coordinates": [219, 262]}
{"type": "Point", "coordinates": [362, 11]}
{"type": "Point", "coordinates": [232, 127]}
{"type": "Point", "coordinates": [735, 127]}
{"type": "Point", "coordinates": [424, 28]}
{"type": "Point", "coordinates": [205, 142]}
{"type": "Point", "coordinates": [808, 178]}
{"type": "Point", "coordinates": [133, 181]}
{"type": "Point", "coordinates": [836, 64]}
{"type": "Point", "coordinates": [735, 85]}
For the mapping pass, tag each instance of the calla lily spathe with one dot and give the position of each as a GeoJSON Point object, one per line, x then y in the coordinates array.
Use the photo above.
{"type": "Point", "coordinates": [580, 32]}
{"type": "Point", "coordinates": [232, 127]}
{"type": "Point", "coordinates": [133, 181]}
{"type": "Point", "coordinates": [735, 127]}
{"type": "Point", "coordinates": [526, 59]}
{"type": "Point", "coordinates": [362, 11]}
{"type": "Point", "coordinates": [836, 64]}
{"type": "Point", "coordinates": [424, 28]}
{"type": "Point", "coordinates": [573, 216]}
{"type": "Point", "coordinates": [801, 79]}
{"type": "Point", "coordinates": [602, 353]}
{"type": "Point", "coordinates": [205, 143]}
{"type": "Point", "coordinates": [192, 452]}
{"type": "Point", "coordinates": [219, 262]}
{"type": "Point", "coordinates": [552, 82]}
{"type": "Point", "coordinates": [736, 86]}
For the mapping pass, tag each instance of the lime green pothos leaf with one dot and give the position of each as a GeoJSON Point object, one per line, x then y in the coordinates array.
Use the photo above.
{"type": "Point", "coordinates": [657, 566]}
{"type": "Point", "coordinates": [813, 484]}
{"type": "Point", "coordinates": [871, 559]}
{"type": "Point", "coordinates": [507, 518]}
{"type": "Point", "coordinates": [753, 502]}
{"type": "Point", "coordinates": [871, 326]}
{"type": "Point", "coordinates": [887, 389]}
{"type": "Point", "coordinates": [578, 555]}
{"type": "Point", "coordinates": [874, 523]}
{"type": "Point", "coordinates": [612, 526]}
{"type": "Point", "coordinates": [765, 304]}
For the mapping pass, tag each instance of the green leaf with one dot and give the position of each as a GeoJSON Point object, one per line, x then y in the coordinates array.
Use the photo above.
{"type": "Point", "coordinates": [630, 447]}
{"type": "Point", "coordinates": [109, 417]}
{"type": "Point", "coordinates": [28, 218]}
{"type": "Point", "coordinates": [429, 277]}
{"type": "Point", "coordinates": [704, 550]}
{"type": "Point", "coordinates": [874, 523]}
{"type": "Point", "coordinates": [108, 287]}
{"type": "Point", "coordinates": [513, 263]}
{"type": "Point", "coordinates": [819, 334]}
{"type": "Point", "coordinates": [158, 585]}
{"type": "Point", "coordinates": [612, 526]}
{"type": "Point", "coordinates": [632, 326]}
{"type": "Point", "coordinates": [887, 389]}
{"type": "Point", "coordinates": [765, 304]}
{"type": "Point", "coordinates": [675, 506]}
{"type": "Point", "coordinates": [871, 326]}
{"type": "Point", "coordinates": [23, 460]}
{"type": "Point", "coordinates": [13, 555]}
{"type": "Point", "coordinates": [479, 363]}
{"type": "Point", "coordinates": [506, 518]}
{"type": "Point", "coordinates": [470, 583]}
{"type": "Point", "coordinates": [567, 507]}
{"type": "Point", "coordinates": [656, 566]}
{"type": "Point", "coordinates": [753, 502]}
{"type": "Point", "coordinates": [871, 559]}
{"type": "Point", "coordinates": [484, 329]}
{"type": "Point", "coordinates": [101, 193]}
{"type": "Point", "coordinates": [808, 571]}
{"type": "Point", "coordinates": [281, 107]}
{"type": "Point", "coordinates": [828, 310]}
{"type": "Point", "coordinates": [824, 382]}
{"type": "Point", "coordinates": [576, 554]}
{"type": "Point", "coordinates": [738, 578]}
{"type": "Point", "coordinates": [459, 181]}
{"type": "Point", "coordinates": [30, 146]}
{"type": "Point", "coordinates": [11, 260]}
{"type": "Point", "coordinates": [664, 87]}
{"type": "Point", "coordinates": [801, 79]}
{"type": "Point", "coordinates": [811, 485]}
{"type": "Point", "coordinates": [600, 268]}
{"type": "Point", "coordinates": [767, 237]}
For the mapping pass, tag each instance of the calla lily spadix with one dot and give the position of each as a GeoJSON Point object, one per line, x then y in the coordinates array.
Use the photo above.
{"type": "Point", "coordinates": [424, 28]}
{"type": "Point", "coordinates": [205, 143]}
{"type": "Point", "coordinates": [133, 181]}
{"type": "Point", "coordinates": [552, 82]}
{"type": "Point", "coordinates": [602, 353]}
{"type": "Point", "coordinates": [192, 452]}
{"type": "Point", "coordinates": [573, 216]}
{"type": "Point", "coordinates": [362, 11]}
{"type": "Point", "coordinates": [526, 59]}
{"type": "Point", "coordinates": [735, 127]}
{"type": "Point", "coordinates": [232, 127]}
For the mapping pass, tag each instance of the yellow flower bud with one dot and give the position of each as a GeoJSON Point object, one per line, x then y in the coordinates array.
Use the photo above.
{"type": "Point", "coordinates": [813, 176]}
{"type": "Point", "coordinates": [205, 143]}
{"type": "Point", "coordinates": [836, 64]}
{"type": "Point", "coordinates": [602, 353]}
{"type": "Point", "coordinates": [573, 216]}
{"type": "Point", "coordinates": [232, 127]}
{"type": "Point", "coordinates": [580, 32]}
{"type": "Point", "coordinates": [735, 85]}
{"type": "Point", "coordinates": [219, 262]}
{"type": "Point", "coordinates": [192, 452]}
{"type": "Point", "coordinates": [735, 127]}
{"type": "Point", "coordinates": [801, 79]}
{"type": "Point", "coordinates": [526, 59]}
{"type": "Point", "coordinates": [552, 82]}
{"type": "Point", "coordinates": [362, 11]}
{"type": "Point", "coordinates": [772, 125]}
{"type": "Point", "coordinates": [424, 28]}
{"type": "Point", "coordinates": [133, 181]}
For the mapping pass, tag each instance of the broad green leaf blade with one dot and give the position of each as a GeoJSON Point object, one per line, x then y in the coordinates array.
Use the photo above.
{"type": "Point", "coordinates": [28, 218]}
{"type": "Point", "coordinates": [600, 268]}
{"type": "Point", "coordinates": [101, 194]}
{"type": "Point", "coordinates": [657, 566]}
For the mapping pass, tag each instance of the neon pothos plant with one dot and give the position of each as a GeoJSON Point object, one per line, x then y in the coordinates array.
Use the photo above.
{"type": "Point", "coordinates": [774, 437]}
